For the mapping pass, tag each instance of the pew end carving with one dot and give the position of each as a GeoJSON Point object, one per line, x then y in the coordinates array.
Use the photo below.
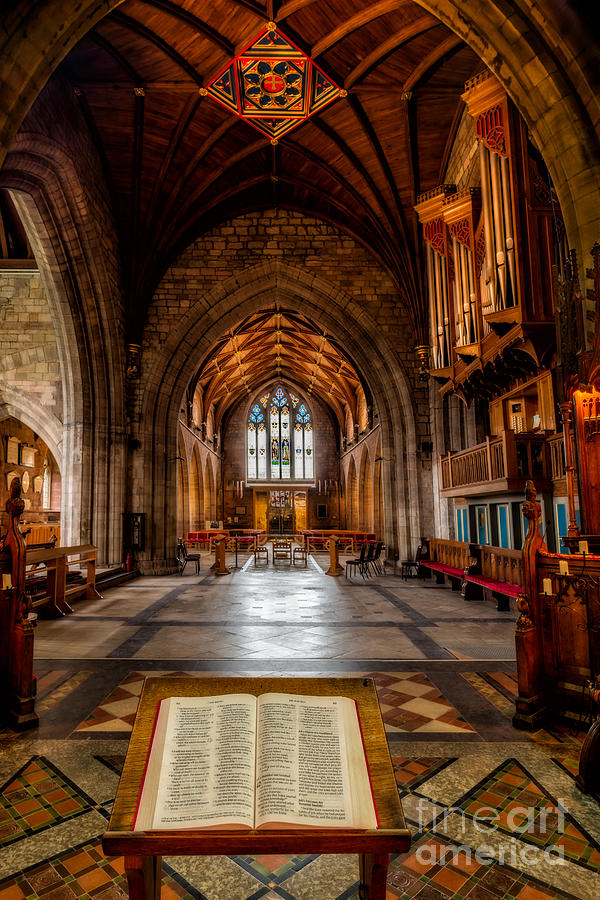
{"type": "Point", "coordinates": [17, 622]}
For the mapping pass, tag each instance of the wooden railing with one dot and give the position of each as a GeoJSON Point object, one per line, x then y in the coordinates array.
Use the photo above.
{"type": "Point", "coordinates": [317, 541]}
{"type": "Point", "coordinates": [503, 463]}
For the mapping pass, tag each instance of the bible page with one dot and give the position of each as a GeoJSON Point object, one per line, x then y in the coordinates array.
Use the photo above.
{"type": "Point", "coordinates": [204, 776]}
{"type": "Point", "coordinates": [303, 773]}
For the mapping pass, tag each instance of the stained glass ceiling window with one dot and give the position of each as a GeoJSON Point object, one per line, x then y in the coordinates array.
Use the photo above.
{"type": "Point", "coordinates": [273, 85]}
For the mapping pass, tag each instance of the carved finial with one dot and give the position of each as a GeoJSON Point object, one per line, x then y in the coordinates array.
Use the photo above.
{"type": "Point", "coordinates": [271, 26]}
{"type": "Point", "coordinates": [15, 504]}
{"type": "Point", "coordinates": [203, 92]}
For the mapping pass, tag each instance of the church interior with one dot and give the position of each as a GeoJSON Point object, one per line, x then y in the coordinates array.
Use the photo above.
{"type": "Point", "coordinates": [300, 377]}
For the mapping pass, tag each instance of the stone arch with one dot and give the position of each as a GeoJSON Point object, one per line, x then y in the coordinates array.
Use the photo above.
{"type": "Point", "coordinates": [210, 509]}
{"type": "Point", "coordinates": [554, 91]}
{"type": "Point", "coordinates": [377, 493]}
{"type": "Point", "coordinates": [62, 216]}
{"type": "Point", "coordinates": [191, 339]}
{"type": "Point", "coordinates": [27, 410]}
{"type": "Point", "coordinates": [197, 516]}
{"type": "Point", "coordinates": [183, 490]}
{"type": "Point", "coordinates": [351, 497]}
{"type": "Point", "coordinates": [365, 490]}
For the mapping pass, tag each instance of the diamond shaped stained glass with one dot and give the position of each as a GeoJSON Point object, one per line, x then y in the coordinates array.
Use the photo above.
{"type": "Point", "coordinates": [273, 85]}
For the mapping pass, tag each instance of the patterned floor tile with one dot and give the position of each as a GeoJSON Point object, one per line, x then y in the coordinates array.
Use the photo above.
{"type": "Point", "coordinates": [47, 698]}
{"type": "Point", "coordinates": [85, 872]}
{"type": "Point", "coordinates": [273, 869]}
{"type": "Point", "coordinates": [522, 808]}
{"type": "Point", "coordinates": [411, 703]}
{"type": "Point", "coordinates": [501, 689]}
{"type": "Point", "coordinates": [36, 798]}
{"type": "Point", "coordinates": [433, 870]}
{"type": "Point", "coordinates": [410, 772]}
{"type": "Point", "coordinates": [117, 712]}
{"type": "Point", "coordinates": [114, 763]}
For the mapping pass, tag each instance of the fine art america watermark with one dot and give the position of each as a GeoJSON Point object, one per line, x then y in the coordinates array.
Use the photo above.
{"type": "Point", "coordinates": [509, 824]}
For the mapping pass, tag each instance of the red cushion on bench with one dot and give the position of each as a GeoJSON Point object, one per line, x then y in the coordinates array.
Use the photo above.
{"type": "Point", "coordinates": [502, 587]}
{"type": "Point", "coordinates": [443, 567]}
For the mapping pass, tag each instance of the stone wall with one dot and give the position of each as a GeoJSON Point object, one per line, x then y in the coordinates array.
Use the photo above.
{"type": "Point", "coordinates": [28, 349]}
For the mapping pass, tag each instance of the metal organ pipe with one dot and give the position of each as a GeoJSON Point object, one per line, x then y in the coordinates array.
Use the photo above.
{"type": "Point", "coordinates": [486, 202]}
{"type": "Point", "coordinates": [508, 225]}
{"type": "Point", "coordinates": [498, 219]}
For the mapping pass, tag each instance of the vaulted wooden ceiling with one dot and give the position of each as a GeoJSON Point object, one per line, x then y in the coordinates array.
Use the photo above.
{"type": "Point", "coordinates": [278, 343]}
{"type": "Point", "coordinates": [179, 163]}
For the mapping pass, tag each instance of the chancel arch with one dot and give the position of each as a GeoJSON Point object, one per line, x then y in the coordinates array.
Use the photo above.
{"type": "Point", "coordinates": [352, 496]}
{"type": "Point", "coordinates": [197, 517]}
{"type": "Point", "coordinates": [212, 316]}
{"type": "Point", "coordinates": [365, 486]}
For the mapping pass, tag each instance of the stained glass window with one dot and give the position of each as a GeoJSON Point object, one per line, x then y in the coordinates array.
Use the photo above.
{"type": "Point", "coordinates": [280, 439]}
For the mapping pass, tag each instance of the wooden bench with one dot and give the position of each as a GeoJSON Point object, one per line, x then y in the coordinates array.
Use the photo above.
{"type": "Point", "coordinates": [497, 572]}
{"type": "Point", "coordinates": [448, 560]}
{"type": "Point", "coordinates": [53, 589]}
{"type": "Point", "coordinates": [477, 570]}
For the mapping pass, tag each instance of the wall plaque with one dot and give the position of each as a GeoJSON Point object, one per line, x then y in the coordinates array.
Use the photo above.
{"type": "Point", "coordinates": [12, 450]}
{"type": "Point", "coordinates": [27, 455]}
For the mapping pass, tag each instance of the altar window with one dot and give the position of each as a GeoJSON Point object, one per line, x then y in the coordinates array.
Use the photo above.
{"type": "Point", "coordinates": [280, 437]}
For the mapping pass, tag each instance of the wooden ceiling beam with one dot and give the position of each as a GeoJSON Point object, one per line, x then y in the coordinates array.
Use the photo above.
{"type": "Point", "coordinates": [291, 7]}
{"type": "Point", "coordinates": [447, 47]}
{"type": "Point", "coordinates": [148, 35]}
{"type": "Point", "coordinates": [360, 169]}
{"type": "Point", "coordinates": [370, 12]}
{"type": "Point", "coordinates": [356, 195]}
{"type": "Point", "coordinates": [111, 51]}
{"type": "Point", "coordinates": [380, 53]}
{"type": "Point", "coordinates": [184, 15]}
{"type": "Point", "coordinates": [405, 249]}
{"type": "Point", "coordinates": [187, 114]}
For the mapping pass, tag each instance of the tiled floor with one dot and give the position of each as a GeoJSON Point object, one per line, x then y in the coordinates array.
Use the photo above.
{"type": "Point", "coordinates": [447, 715]}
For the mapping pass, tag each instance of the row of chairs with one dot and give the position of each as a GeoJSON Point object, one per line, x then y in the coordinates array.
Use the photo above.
{"type": "Point", "coordinates": [368, 560]}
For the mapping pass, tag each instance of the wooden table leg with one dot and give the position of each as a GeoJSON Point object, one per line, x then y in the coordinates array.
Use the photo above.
{"type": "Point", "coordinates": [143, 877]}
{"type": "Point", "coordinates": [373, 869]}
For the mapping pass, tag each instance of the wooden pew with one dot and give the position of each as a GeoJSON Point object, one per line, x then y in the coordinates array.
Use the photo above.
{"type": "Point", "coordinates": [498, 573]}
{"type": "Point", "coordinates": [54, 588]}
{"type": "Point", "coordinates": [448, 560]}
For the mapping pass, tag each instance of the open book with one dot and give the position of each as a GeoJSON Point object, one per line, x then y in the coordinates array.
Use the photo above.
{"type": "Point", "coordinates": [237, 760]}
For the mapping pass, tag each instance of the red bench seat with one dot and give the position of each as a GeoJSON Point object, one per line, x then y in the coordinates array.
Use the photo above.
{"type": "Point", "coordinates": [502, 587]}
{"type": "Point", "coordinates": [444, 568]}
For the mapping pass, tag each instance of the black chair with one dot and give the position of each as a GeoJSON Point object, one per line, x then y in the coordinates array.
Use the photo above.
{"type": "Point", "coordinates": [376, 561]}
{"type": "Point", "coordinates": [368, 560]}
{"type": "Point", "coordinates": [183, 558]}
{"type": "Point", "coordinates": [359, 562]}
{"type": "Point", "coordinates": [408, 566]}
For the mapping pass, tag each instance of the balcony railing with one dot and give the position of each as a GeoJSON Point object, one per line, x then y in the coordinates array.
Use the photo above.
{"type": "Point", "coordinates": [502, 463]}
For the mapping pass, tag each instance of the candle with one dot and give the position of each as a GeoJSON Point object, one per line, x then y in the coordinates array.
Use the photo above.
{"type": "Point", "coordinates": [584, 547]}
{"type": "Point", "coordinates": [563, 567]}
{"type": "Point", "coordinates": [6, 582]}
{"type": "Point", "coordinates": [547, 586]}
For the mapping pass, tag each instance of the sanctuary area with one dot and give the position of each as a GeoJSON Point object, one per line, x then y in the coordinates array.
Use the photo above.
{"type": "Point", "coordinates": [300, 377]}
